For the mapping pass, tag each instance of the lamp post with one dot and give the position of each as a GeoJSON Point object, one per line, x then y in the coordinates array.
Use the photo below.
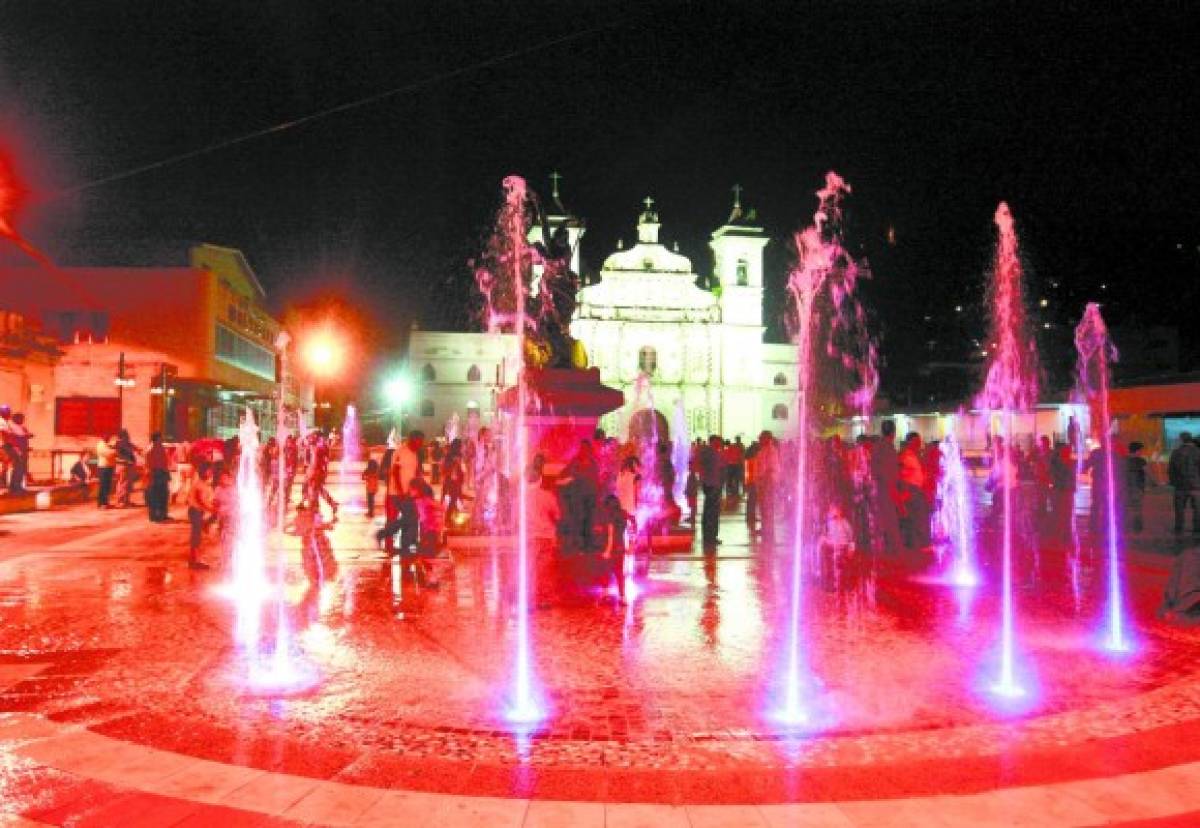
{"type": "Point", "coordinates": [122, 382]}
{"type": "Point", "coordinates": [324, 354]}
{"type": "Point", "coordinates": [281, 344]}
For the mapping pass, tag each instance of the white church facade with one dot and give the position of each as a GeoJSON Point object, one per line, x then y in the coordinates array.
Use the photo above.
{"type": "Point", "coordinates": [647, 317]}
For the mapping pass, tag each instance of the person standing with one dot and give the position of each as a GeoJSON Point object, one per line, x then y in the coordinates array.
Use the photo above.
{"type": "Point", "coordinates": [583, 475]}
{"type": "Point", "coordinates": [106, 468]}
{"type": "Point", "coordinates": [615, 519]}
{"type": "Point", "coordinates": [766, 479]}
{"type": "Point", "coordinates": [751, 481]}
{"type": "Point", "coordinates": [318, 473]}
{"type": "Point", "coordinates": [911, 485]}
{"type": "Point", "coordinates": [712, 480]}
{"type": "Point", "coordinates": [126, 462]}
{"type": "Point", "coordinates": [885, 471]}
{"type": "Point", "coordinates": [370, 478]}
{"type": "Point", "coordinates": [17, 440]}
{"type": "Point", "coordinates": [1062, 495]}
{"type": "Point", "coordinates": [1183, 473]}
{"type": "Point", "coordinates": [1135, 485]}
{"type": "Point", "coordinates": [400, 509]}
{"type": "Point", "coordinates": [157, 489]}
{"type": "Point", "coordinates": [200, 506]}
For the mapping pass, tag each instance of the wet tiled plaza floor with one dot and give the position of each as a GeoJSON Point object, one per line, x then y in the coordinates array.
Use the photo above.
{"type": "Point", "coordinates": [670, 698]}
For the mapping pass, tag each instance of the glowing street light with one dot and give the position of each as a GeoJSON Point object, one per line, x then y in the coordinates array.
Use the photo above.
{"type": "Point", "coordinates": [399, 390]}
{"type": "Point", "coordinates": [323, 353]}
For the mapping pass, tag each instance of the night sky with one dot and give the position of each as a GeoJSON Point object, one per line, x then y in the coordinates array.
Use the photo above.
{"type": "Point", "coordinates": [1082, 116]}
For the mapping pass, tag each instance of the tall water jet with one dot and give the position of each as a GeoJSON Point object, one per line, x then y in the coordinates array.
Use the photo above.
{"type": "Point", "coordinates": [1010, 388]}
{"type": "Point", "coordinates": [681, 450]}
{"type": "Point", "coordinates": [504, 280]}
{"type": "Point", "coordinates": [1096, 353]}
{"type": "Point", "coordinates": [351, 457]}
{"type": "Point", "coordinates": [828, 328]}
{"type": "Point", "coordinates": [249, 563]}
{"type": "Point", "coordinates": [955, 517]}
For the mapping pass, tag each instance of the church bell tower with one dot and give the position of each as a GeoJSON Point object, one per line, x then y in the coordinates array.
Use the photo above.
{"type": "Point", "coordinates": [737, 247]}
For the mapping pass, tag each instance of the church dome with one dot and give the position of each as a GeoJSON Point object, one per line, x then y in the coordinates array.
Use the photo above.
{"type": "Point", "coordinates": [649, 254]}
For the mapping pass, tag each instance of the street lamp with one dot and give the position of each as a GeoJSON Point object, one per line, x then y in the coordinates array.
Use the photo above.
{"type": "Point", "coordinates": [122, 382]}
{"type": "Point", "coordinates": [324, 354]}
{"type": "Point", "coordinates": [399, 390]}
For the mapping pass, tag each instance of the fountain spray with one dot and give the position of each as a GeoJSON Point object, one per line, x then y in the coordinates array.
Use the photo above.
{"type": "Point", "coordinates": [1010, 387]}
{"type": "Point", "coordinates": [1096, 353]}
{"type": "Point", "coordinates": [955, 516]}
{"type": "Point", "coordinates": [823, 312]}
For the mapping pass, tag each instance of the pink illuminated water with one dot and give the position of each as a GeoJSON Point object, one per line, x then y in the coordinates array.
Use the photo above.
{"type": "Point", "coordinates": [252, 588]}
{"type": "Point", "coordinates": [955, 517]}
{"type": "Point", "coordinates": [505, 287]}
{"type": "Point", "coordinates": [681, 450]}
{"type": "Point", "coordinates": [249, 563]}
{"type": "Point", "coordinates": [1011, 387]}
{"type": "Point", "coordinates": [828, 327]}
{"type": "Point", "coordinates": [1096, 353]}
{"type": "Point", "coordinates": [351, 457]}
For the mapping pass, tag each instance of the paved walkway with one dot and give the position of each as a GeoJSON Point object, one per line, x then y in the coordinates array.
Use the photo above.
{"type": "Point", "coordinates": [123, 701]}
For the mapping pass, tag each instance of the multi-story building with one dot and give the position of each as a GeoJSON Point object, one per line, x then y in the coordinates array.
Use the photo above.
{"type": "Point", "coordinates": [654, 333]}
{"type": "Point", "coordinates": [182, 350]}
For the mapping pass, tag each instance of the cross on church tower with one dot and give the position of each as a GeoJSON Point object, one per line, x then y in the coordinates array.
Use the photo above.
{"type": "Point", "coordinates": [554, 179]}
{"type": "Point", "coordinates": [649, 202]}
{"type": "Point", "coordinates": [737, 196]}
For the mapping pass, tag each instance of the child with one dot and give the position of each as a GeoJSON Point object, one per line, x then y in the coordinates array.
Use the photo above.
{"type": "Point", "coordinates": [430, 532]}
{"type": "Point", "coordinates": [836, 546]}
{"type": "Point", "coordinates": [370, 476]}
{"type": "Point", "coordinates": [615, 521]}
{"type": "Point", "coordinates": [225, 509]}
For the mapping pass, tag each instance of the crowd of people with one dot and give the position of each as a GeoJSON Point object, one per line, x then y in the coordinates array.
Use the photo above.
{"type": "Point", "coordinates": [873, 495]}
{"type": "Point", "coordinates": [14, 450]}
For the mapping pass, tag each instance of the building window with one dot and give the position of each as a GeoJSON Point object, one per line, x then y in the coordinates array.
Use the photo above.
{"type": "Point", "coordinates": [779, 412]}
{"type": "Point", "coordinates": [473, 374]}
{"type": "Point", "coordinates": [240, 352]}
{"type": "Point", "coordinates": [428, 374]}
{"type": "Point", "coordinates": [743, 272]}
{"type": "Point", "coordinates": [647, 360]}
{"type": "Point", "coordinates": [780, 379]}
{"type": "Point", "coordinates": [426, 408]}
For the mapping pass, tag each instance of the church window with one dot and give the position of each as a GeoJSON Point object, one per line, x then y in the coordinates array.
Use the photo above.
{"type": "Point", "coordinates": [779, 412]}
{"type": "Point", "coordinates": [647, 360]}
{"type": "Point", "coordinates": [473, 374]}
{"type": "Point", "coordinates": [743, 272]}
{"type": "Point", "coordinates": [428, 374]}
{"type": "Point", "coordinates": [426, 408]}
{"type": "Point", "coordinates": [780, 379]}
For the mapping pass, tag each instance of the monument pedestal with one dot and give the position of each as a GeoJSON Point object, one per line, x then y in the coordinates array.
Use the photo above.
{"type": "Point", "coordinates": [562, 407]}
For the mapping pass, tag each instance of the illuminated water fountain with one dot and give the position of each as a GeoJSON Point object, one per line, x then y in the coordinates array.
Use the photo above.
{"type": "Point", "coordinates": [828, 328]}
{"type": "Point", "coordinates": [555, 401]}
{"type": "Point", "coordinates": [955, 518]}
{"type": "Point", "coordinates": [681, 450]}
{"type": "Point", "coordinates": [1096, 352]}
{"type": "Point", "coordinates": [351, 458]}
{"type": "Point", "coordinates": [1010, 389]}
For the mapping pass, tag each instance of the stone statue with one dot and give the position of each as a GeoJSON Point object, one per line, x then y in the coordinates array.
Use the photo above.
{"type": "Point", "coordinates": [550, 344]}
